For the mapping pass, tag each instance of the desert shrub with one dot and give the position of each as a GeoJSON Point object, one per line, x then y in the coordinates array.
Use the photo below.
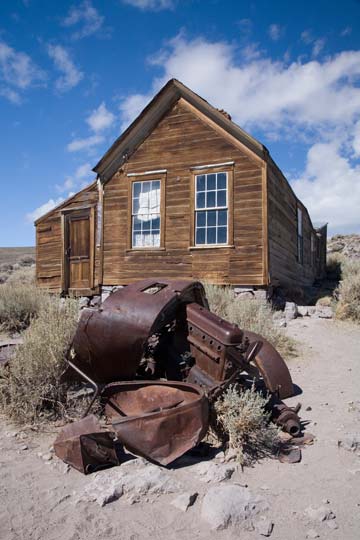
{"type": "Point", "coordinates": [242, 416]}
{"type": "Point", "coordinates": [333, 266]}
{"type": "Point", "coordinates": [31, 388]}
{"type": "Point", "coordinates": [3, 277]}
{"type": "Point", "coordinates": [22, 275]}
{"type": "Point", "coordinates": [19, 303]}
{"type": "Point", "coordinates": [250, 314]}
{"type": "Point", "coordinates": [6, 268]}
{"type": "Point", "coordinates": [27, 260]}
{"type": "Point", "coordinates": [348, 291]}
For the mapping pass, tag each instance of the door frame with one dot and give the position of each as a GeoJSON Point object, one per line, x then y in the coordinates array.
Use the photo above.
{"type": "Point", "coordinates": [65, 275]}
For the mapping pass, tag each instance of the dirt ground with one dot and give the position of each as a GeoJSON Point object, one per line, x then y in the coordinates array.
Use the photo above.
{"type": "Point", "coordinates": [38, 497]}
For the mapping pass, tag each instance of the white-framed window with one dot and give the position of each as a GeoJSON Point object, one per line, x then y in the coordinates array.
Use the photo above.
{"type": "Point", "coordinates": [145, 214]}
{"type": "Point", "coordinates": [300, 241]}
{"type": "Point", "coordinates": [211, 209]}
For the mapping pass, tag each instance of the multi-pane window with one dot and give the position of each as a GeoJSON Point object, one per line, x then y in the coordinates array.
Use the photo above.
{"type": "Point", "coordinates": [146, 214]}
{"type": "Point", "coordinates": [211, 209]}
{"type": "Point", "coordinates": [300, 242]}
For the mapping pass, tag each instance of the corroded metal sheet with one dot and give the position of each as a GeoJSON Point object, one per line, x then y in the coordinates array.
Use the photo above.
{"type": "Point", "coordinates": [86, 446]}
{"type": "Point", "coordinates": [157, 420]}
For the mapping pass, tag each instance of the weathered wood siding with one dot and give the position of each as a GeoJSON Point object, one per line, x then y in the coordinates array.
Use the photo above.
{"type": "Point", "coordinates": [180, 141]}
{"type": "Point", "coordinates": [49, 249]}
{"type": "Point", "coordinates": [284, 267]}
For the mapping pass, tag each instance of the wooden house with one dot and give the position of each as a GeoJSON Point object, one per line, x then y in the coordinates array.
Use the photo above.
{"type": "Point", "coordinates": [183, 193]}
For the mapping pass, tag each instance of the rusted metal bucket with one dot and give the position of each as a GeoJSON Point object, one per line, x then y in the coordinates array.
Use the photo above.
{"type": "Point", "coordinates": [86, 446]}
{"type": "Point", "coordinates": [157, 420]}
{"type": "Point", "coordinates": [109, 342]}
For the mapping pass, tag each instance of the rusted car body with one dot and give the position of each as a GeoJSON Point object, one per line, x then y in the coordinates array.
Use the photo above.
{"type": "Point", "coordinates": [158, 357]}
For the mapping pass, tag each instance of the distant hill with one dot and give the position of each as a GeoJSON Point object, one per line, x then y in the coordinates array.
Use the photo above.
{"type": "Point", "coordinates": [345, 244]}
{"type": "Point", "coordinates": [12, 255]}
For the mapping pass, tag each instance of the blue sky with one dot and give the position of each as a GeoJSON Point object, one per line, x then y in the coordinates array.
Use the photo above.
{"type": "Point", "coordinates": [74, 74]}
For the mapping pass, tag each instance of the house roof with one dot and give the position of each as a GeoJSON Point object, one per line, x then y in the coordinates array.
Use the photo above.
{"type": "Point", "coordinates": [142, 126]}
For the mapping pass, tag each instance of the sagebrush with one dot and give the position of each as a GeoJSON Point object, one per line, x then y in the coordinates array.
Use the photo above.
{"type": "Point", "coordinates": [19, 303]}
{"type": "Point", "coordinates": [241, 414]}
{"type": "Point", "coordinates": [31, 389]}
{"type": "Point", "coordinates": [348, 291]}
{"type": "Point", "coordinates": [249, 314]}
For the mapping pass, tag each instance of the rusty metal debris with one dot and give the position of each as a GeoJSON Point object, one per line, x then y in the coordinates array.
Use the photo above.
{"type": "Point", "coordinates": [156, 356]}
{"type": "Point", "coordinates": [156, 419]}
{"type": "Point", "coordinates": [86, 446]}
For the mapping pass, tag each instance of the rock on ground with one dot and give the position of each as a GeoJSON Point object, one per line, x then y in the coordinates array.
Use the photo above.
{"type": "Point", "coordinates": [184, 501]}
{"type": "Point", "coordinates": [229, 505]}
{"type": "Point", "coordinates": [209, 471]}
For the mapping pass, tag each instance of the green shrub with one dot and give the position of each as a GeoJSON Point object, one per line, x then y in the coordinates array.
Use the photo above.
{"type": "Point", "coordinates": [348, 292]}
{"type": "Point", "coordinates": [241, 415]}
{"type": "Point", "coordinates": [249, 314]}
{"type": "Point", "coordinates": [19, 303]}
{"type": "Point", "coordinates": [30, 389]}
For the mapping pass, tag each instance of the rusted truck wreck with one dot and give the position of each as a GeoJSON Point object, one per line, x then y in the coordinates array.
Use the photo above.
{"type": "Point", "coordinates": [157, 357]}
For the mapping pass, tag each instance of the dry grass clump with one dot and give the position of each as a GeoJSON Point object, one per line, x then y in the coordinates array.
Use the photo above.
{"type": "Point", "coordinates": [30, 389]}
{"type": "Point", "coordinates": [19, 303]}
{"type": "Point", "coordinates": [241, 415]}
{"type": "Point", "coordinates": [249, 314]}
{"type": "Point", "coordinates": [25, 274]}
{"type": "Point", "coordinates": [348, 292]}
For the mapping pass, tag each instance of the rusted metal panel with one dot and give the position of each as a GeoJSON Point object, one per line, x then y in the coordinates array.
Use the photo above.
{"type": "Point", "coordinates": [156, 419]}
{"type": "Point", "coordinates": [109, 342]}
{"type": "Point", "coordinates": [86, 446]}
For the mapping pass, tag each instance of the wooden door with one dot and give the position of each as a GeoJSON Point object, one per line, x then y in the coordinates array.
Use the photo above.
{"type": "Point", "coordinates": [78, 250]}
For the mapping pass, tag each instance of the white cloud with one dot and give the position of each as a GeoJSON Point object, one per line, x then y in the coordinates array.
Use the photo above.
{"type": "Point", "coordinates": [43, 209]}
{"type": "Point", "coordinates": [275, 31]}
{"type": "Point", "coordinates": [82, 172]}
{"type": "Point", "coordinates": [100, 118]}
{"type": "Point", "coordinates": [71, 75]}
{"type": "Point", "coordinates": [86, 18]}
{"type": "Point", "coordinates": [330, 187]}
{"type": "Point", "coordinates": [151, 5]}
{"type": "Point", "coordinates": [346, 32]}
{"type": "Point", "coordinates": [306, 37]}
{"type": "Point", "coordinates": [318, 46]}
{"type": "Point", "coordinates": [17, 73]}
{"type": "Point", "coordinates": [84, 144]}
{"type": "Point", "coordinates": [356, 140]}
{"type": "Point", "coordinates": [307, 101]}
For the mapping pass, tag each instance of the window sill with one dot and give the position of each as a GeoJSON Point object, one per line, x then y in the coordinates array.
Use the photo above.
{"type": "Point", "coordinates": [144, 249]}
{"type": "Point", "coordinates": [212, 246]}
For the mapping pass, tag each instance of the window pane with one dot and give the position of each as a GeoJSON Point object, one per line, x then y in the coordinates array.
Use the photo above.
{"type": "Point", "coordinates": [211, 182]}
{"type": "Point", "coordinates": [200, 183]}
{"type": "Point", "coordinates": [136, 189]}
{"type": "Point", "coordinates": [222, 235]}
{"type": "Point", "coordinates": [137, 239]}
{"type": "Point", "coordinates": [211, 235]}
{"type": "Point", "coordinates": [211, 218]}
{"type": "Point", "coordinates": [156, 238]}
{"type": "Point", "coordinates": [136, 224]}
{"type": "Point", "coordinates": [146, 186]}
{"type": "Point", "coordinates": [210, 199]}
{"type": "Point", "coordinates": [200, 236]}
{"type": "Point", "coordinates": [146, 224]}
{"type": "Point", "coordinates": [221, 181]}
{"type": "Point", "coordinates": [221, 198]}
{"type": "Point", "coordinates": [155, 223]}
{"type": "Point", "coordinates": [200, 219]}
{"type": "Point", "coordinates": [200, 200]}
{"type": "Point", "coordinates": [155, 184]}
{"type": "Point", "coordinates": [222, 217]}
{"type": "Point", "coordinates": [135, 206]}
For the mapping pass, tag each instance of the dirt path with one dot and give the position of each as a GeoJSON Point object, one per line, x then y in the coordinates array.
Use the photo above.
{"type": "Point", "coordinates": [38, 497]}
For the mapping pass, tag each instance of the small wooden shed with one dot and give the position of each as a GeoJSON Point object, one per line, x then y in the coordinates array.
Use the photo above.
{"type": "Point", "coordinates": [183, 193]}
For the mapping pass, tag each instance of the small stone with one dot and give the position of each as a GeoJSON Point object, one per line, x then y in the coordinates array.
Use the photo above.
{"type": "Point", "coordinates": [290, 311]}
{"type": "Point", "coordinates": [303, 311]}
{"type": "Point", "coordinates": [312, 534]}
{"type": "Point", "coordinates": [324, 312]}
{"type": "Point", "coordinates": [184, 501]}
{"type": "Point", "coordinates": [220, 456]}
{"type": "Point", "coordinates": [325, 501]}
{"type": "Point", "coordinates": [322, 513]}
{"type": "Point", "coordinates": [47, 457]}
{"type": "Point", "coordinates": [213, 472]}
{"type": "Point", "coordinates": [95, 301]}
{"type": "Point", "coordinates": [24, 447]}
{"type": "Point", "coordinates": [264, 527]}
{"type": "Point", "coordinates": [332, 524]}
{"type": "Point", "coordinates": [264, 488]}
{"type": "Point", "coordinates": [308, 408]}
{"type": "Point", "coordinates": [351, 443]}
{"type": "Point", "coordinates": [83, 302]}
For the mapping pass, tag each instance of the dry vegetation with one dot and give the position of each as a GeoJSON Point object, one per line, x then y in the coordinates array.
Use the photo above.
{"type": "Point", "coordinates": [347, 294]}
{"type": "Point", "coordinates": [250, 314]}
{"type": "Point", "coordinates": [20, 301]}
{"type": "Point", "coordinates": [30, 389]}
{"type": "Point", "coordinates": [242, 416]}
